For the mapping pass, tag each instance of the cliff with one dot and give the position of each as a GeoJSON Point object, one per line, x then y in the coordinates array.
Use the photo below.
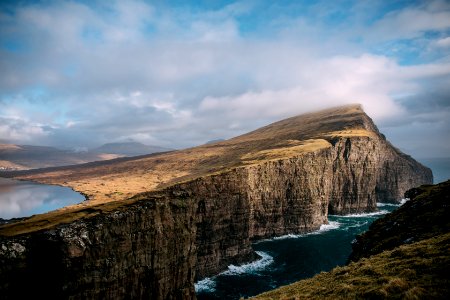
{"type": "Point", "coordinates": [404, 255]}
{"type": "Point", "coordinates": [424, 216]}
{"type": "Point", "coordinates": [156, 223]}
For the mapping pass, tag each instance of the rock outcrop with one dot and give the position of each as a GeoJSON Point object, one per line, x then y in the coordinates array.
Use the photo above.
{"type": "Point", "coordinates": [283, 178]}
{"type": "Point", "coordinates": [424, 216]}
{"type": "Point", "coordinates": [403, 255]}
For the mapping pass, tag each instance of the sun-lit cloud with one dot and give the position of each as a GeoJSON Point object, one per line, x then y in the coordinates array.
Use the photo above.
{"type": "Point", "coordinates": [77, 73]}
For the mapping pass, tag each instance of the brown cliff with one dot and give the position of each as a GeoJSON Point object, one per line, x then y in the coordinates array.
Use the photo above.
{"type": "Point", "coordinates": [209, 204]}
{"type": "Point", "coordinates": [403, 255]}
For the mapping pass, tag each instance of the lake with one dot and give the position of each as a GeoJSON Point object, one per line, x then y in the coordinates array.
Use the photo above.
{"type": "Point", "coordinates": [24, 198]}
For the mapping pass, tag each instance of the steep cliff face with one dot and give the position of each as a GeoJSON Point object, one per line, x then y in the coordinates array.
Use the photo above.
{"type": "Point", "coordinates": [406, 256]}
{"type": "Point", "coordinates": [281, 179]}
{"type": "Point", "coordinates": [292, 195]}
{"type": "Point", "coordinates": [367, 170]}
{"type": "Point", "coordinates": [146, 251]}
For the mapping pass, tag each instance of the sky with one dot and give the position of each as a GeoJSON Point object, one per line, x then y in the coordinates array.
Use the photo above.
{"type": "Point", "coordinates": [77, 74]}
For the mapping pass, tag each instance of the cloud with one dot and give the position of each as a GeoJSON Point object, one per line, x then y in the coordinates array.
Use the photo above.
{"type": "Point", "coordinates": [412, 22]}
{"type": "Point", "coordinates": [79, 74]}
{"type": "Point", "coordinates": [443, 43]}
{"type": "Point", "coordinates": [20, 131]}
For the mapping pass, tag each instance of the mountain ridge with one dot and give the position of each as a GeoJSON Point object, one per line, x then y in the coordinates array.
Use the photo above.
{"type": "Point", "coordinates": [129, 148]}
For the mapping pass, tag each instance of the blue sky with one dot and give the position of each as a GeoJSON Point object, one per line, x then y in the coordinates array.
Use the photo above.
{"type": "Point", "coordinates": [179, 73]}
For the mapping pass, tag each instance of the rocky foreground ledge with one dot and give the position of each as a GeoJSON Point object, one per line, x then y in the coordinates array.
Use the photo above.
{"type": "Point", "coordinates": [404, 255]}
{"type": "Point", "coordinates": [155, 224]}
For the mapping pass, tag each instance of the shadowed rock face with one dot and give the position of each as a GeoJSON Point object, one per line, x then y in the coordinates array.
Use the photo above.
{"type": "Point", "coordinates": [403, 255]}
{"type": "Point", "coordinates": [285, 178]}
{"type": "Point", "coordinates": [424, 216]}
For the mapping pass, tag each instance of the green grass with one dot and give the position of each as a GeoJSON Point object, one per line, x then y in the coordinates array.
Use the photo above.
{"type": "Point", "coordinates": [415, 271]}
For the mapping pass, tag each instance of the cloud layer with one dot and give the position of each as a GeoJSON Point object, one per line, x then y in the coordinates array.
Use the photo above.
{"type": "Point", "coordinates": [78, 74]}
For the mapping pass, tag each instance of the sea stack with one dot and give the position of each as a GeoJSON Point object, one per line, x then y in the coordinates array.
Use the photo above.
{"type": "Point", "coordinates": [156, 223]}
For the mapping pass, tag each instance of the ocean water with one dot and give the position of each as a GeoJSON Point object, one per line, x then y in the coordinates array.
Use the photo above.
{"type": "Point", "coordinates": [290, 258]}
{"type": "Point", "coordinates": [440, 167]}
{"type": "Point", "coordinates": [23, 198]}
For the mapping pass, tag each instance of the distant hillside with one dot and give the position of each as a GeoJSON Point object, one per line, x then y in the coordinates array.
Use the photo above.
{"type": "Point", "coordinates": [129, 149]}
{"type": "Point", "coordinates": [404, 255]}
{"type": "Point", "coordinates": [214, 141]}
{"type": "Point", "coordinates": [23, 157]}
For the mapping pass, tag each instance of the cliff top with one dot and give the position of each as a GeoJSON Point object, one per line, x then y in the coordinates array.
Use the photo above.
{"type": "Point", "coordinates": [409, 257]}
{"type": "Point", "coordinates": [121, 179]}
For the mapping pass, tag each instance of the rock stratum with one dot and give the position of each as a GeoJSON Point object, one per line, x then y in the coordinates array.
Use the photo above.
{"type": "Point", "coordinates": [155, 224]}
{"type": "Point", "coordinates": [404, 255]}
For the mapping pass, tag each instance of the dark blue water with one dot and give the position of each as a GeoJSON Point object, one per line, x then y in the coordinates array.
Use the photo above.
{"type": "Point", "coordinates": [290, 258]}
{"type": "Point", "coordinates": [24, 198]}
{"type": "Point", "coordinates": [440, 167]}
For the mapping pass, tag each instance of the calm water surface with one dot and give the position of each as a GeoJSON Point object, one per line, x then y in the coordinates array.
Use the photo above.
{"type": "Point", "coordinates": [24, 198]}
{"type": "Point", "coordinates": [440, 167]}
{"type": "Point", "coordinates": [291, 258]}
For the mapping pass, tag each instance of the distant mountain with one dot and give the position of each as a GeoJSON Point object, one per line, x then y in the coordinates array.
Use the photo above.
{"type": "Point", "coordinates": [214, 141]}
{"type": "Point", "coordinates": [23, 157]}
{"type": "Point", "coordinates": [129, 149]}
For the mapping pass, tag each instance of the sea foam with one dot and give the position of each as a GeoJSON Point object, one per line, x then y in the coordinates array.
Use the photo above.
{"type": "Point", "coordinates": [209, 284]}
{"type": "Point", "coordinates": [205, 285]}
{"type": "Point", "coordinates": [252, 267]}
{"type": "Point", "coordinates": [323, 228]}
{"type": "Point", "coordinates": [365, 215]}
{"type": "Point", "coordinates": [380, 204]}
{"type": "Point", "coordinates": [404, 200]}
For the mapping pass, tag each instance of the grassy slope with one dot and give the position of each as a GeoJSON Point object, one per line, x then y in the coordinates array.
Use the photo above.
{"type": "Point", "coordinates": [424, 216]}
{"type": "Point", "coordinates": [121, 179]}
{"type": "Point", "coordinates": [419, 270]}
{"type": "Point", "coordinates": [415, 271]}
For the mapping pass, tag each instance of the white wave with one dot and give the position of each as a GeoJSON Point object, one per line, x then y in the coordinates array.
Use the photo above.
{"type": "Point", "coordinates": [327, 227]}
{"type": "Point", "coordinates": [404, 200]}
{"type": "Point", "coordinates": [205, 285]}
{"type": "Point", "coordinates": [282, 237]}
{"type": "Point", "coordinates": [252, 267]}
{"type": "Point", "coordinates": [365, 215]}
{"type": "Point", "coordinates": [323, 228]}
{"type": "Point", "coordinates": [380, 204]}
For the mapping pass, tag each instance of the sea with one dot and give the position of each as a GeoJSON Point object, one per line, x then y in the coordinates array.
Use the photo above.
{"type": "Point", "coordinates": [440, 167]}
{"type": "Point", "coordinates": [289, 258]}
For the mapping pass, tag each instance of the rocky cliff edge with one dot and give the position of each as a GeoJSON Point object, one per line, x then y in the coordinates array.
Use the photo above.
{"type": "Point", "coordinates": [156, 224]}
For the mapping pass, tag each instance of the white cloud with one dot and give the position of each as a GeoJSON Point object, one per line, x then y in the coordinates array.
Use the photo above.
{"type": "Point", "coordinates": [179, 78]}
{"type": "Point", "coordinates": [443, 43]}
{"type": "Point", "coordinates": [411, 22]}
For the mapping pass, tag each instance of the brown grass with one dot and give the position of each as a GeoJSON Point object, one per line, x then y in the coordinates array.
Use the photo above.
{"type": "Point", "coordinates": [120, 179]}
